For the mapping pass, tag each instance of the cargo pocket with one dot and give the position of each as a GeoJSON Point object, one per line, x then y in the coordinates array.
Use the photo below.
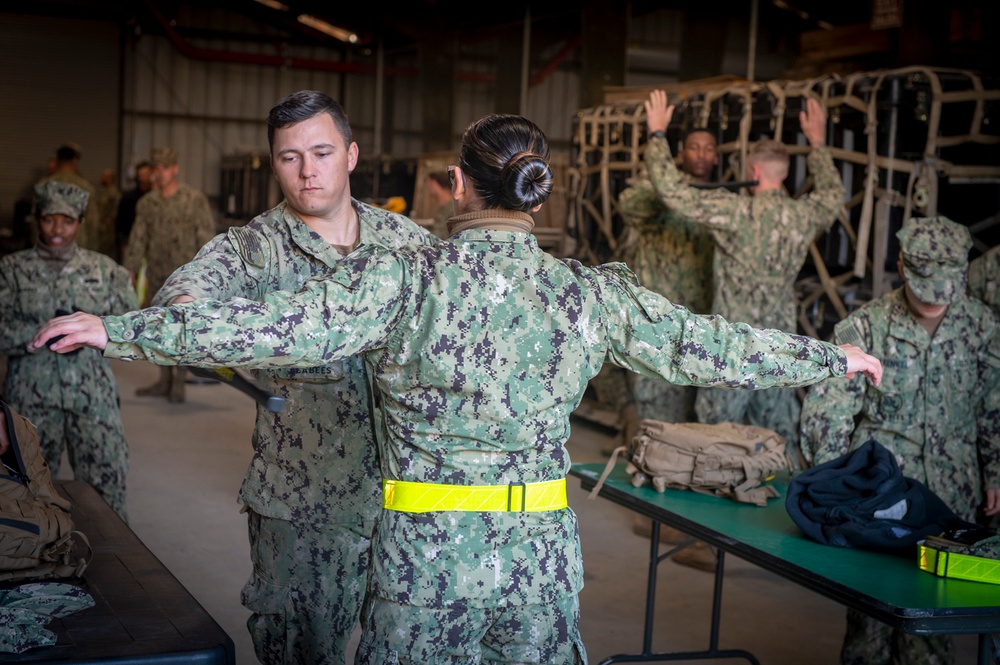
{"type": "Point", "coordinates": [268, 623]}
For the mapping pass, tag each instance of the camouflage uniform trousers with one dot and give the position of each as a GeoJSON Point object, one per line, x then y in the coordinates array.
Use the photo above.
{"type": "Point", "coordinates": [95, 443]}
{"type": "Point", "coordinates": [306, 589]}
{"type": "Point", "coordinates": [546, 634]}
{"type": "Point", "coordinates": [778, 409]}
{"type": "Point", "coordinates": [871, 642]}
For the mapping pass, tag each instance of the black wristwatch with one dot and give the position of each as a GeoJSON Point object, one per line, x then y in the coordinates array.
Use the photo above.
{"type": "Point", "coordinates": [659, 132]}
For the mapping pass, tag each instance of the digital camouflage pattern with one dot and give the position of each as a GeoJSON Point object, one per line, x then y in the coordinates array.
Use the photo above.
{"type": "Point", "coordinates": [72, 399]}
{"type": "Point", "coordinates": [87, 236]}
{"type": "Point", "coordinates": [761, 243]}
{"type": "Point", "coordinates": [26, 609]}
{"type": "Point", "coordinates": [671, 255]}
{"type": "Point", "coordinates": [935, 253]}
{"type": "Point", "coordinates": [60, 198]}
{"type": "Point", "coordinates": [314, 463]}
{"type": "Point", "coordinates": [168, 232]}
{"type": "Point", "coordinates": [480, 349]}
{"type": "Point", "coordinates": [937, 408]}
{"type": "Point", "coordinates": [984, 278]}
{"type": "Point", "coordinates": [537, 634]}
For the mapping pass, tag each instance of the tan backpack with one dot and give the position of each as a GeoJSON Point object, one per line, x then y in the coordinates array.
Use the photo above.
{"type": "Point", "coordinates": [37, 539]}
{"type": "Point", "coordinates": [726, 459]}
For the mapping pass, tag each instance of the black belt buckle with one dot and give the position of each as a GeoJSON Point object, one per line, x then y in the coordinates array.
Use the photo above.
{"type": "Point", "coordinates": [510, 496]}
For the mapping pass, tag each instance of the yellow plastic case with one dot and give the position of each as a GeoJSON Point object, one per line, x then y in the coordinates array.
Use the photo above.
{"type": "Point", "coordinates": [959, 566]}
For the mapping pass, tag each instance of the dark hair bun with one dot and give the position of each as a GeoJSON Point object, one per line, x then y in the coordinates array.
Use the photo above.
{"type": "Point", "coordinates": [525, 182]}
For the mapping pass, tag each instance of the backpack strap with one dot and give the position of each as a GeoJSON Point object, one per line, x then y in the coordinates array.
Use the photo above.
{"type": "Point", "coordinates": [607, 471]}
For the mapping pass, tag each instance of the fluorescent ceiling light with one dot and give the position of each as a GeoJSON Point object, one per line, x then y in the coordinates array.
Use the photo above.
{"type": "Point", "coordinates": [274, 4]}
{"type": "Point", "coordinates": [332, 30]}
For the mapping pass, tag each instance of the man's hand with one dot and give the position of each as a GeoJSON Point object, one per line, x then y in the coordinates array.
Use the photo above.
{"type": "Point", "coordinates": [658, 114]}
{"type": "Point", "coordinates": [77, 330]}
{"type": "Point", "coordinates": [813, 121]}
{"type": "Point", "coordinates": [859, 361]}
{"type": "Point", "coordinates": [992, 506]}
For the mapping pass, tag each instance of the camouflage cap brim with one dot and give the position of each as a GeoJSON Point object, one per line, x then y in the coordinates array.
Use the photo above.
{"type": "Point", "coordinates": [60, 198]}
{"type": "Point", "coordinates": [940, 288]}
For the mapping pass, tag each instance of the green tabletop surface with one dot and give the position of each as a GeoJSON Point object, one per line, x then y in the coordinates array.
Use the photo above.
{"type": "Point", "coordinates": [890, 588]}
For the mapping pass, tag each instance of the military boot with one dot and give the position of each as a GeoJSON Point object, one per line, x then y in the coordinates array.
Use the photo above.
{"type": "Point", "coordinates": [177, 377]}
{"type": "Point", "coordinates": [700, 555]}
{"type": "Point", "coordinates": [160, 388]}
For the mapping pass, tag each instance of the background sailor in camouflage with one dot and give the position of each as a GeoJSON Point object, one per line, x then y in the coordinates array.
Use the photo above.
{"type": "Point", "coordinates": [108, 198]}
{"type": "Point", "coordinates": [67, 167]}
{"type": "Point", "coordinates": [71, 399]}
{"type": "Point", "coordinates": [937, 410]}
{"type": "Point", "coordinates": [984, 278]}
{"type": "Point", "coordinates": [761, 244]}
{"type": "Point", "coordinates": [672, 256]}
{"type": "Point", "coordinates": [313, 489]}
{"type": "Point", "coordinates": [172, 222]}
{"type": "Point", "coordinates": [480, 348]}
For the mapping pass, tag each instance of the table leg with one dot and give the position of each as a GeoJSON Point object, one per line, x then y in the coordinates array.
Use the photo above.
{"type": "Point", "coordinates": [712, 653]}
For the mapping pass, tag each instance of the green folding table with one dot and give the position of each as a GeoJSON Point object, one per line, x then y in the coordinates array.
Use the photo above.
{"type": "Point", "coordinates": [889, 588]}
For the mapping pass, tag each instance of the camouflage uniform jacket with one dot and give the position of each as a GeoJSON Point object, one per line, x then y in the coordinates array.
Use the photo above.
{"type": "Point", "coordinates": [761, 241]}
{"type": "Point", "coordinates": [168, 232]}
{"type": "Point", "coordinates": [669, 253]}
{"type": "Point", "coordinates": [937, 408]}
{"type": "Point", "coordinates": [480, 348]}
{"type": "Point", "coordinates": [31, 290]}
{"type": "Point", "coordinates": [984, 278]}
{"type": "Point", "coordinates": [88, 237]}
{"type": "Point", "coordinates": [314, 461]}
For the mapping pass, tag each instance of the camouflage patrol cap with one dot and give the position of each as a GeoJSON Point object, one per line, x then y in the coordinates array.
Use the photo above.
{"type": "Point", "coordinates": [55, 197]}
{"type": "Point", "coordinates": [165, 156]}
{"type": "Point", "coordinates": [935, 253]}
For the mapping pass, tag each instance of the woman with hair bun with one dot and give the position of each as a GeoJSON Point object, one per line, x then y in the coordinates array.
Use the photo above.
{"type": "Point", "coordinates": [479, 349]}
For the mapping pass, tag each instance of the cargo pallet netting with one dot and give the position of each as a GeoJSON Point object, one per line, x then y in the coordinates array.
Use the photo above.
{"type": "Point", "coordinates": [916, 141]}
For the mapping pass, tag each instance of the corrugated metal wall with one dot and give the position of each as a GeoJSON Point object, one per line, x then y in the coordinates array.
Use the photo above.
{"type": "Point", "coordinates": [59, 82]}
{"type": "Point", "coordinates": [206, 108]}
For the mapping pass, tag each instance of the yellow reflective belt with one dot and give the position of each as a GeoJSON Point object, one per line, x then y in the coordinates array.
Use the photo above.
{"type": "Point", "coordinates": [409, 497]}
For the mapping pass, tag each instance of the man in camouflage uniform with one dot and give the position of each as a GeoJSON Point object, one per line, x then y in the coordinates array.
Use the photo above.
{"type": "Point", "coordinates": [313, 488]}
{"type": "Point", "coordinates": [984, 278]}
{"type": "Point", "coordinates": [172, 222]}
{"type": "Point", "coordinates": [761, 244]}
{"type": "Point", "coordinates": [67, 168]}
{"type": "Point", "coordinates": [480, 349]}
{"type": "Point", "coordinates": [71, 399]}
{"type": "Point", "coordinates": [108, 197]}
{"type": "Point", "coordinates": [937, 410]}
{"type": "Point", "coordinates": [671, 255]}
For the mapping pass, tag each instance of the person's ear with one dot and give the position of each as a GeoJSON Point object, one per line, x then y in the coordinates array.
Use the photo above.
{"type": "Point", "coordinates": [352, 156]}
{"type": "Point", "coordinates": [458, 189]}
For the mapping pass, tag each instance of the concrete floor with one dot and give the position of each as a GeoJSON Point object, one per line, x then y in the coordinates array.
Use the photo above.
{"type": "Point", "coordinates": [188, 460]}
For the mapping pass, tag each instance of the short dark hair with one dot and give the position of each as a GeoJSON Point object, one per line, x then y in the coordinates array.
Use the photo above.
{"type": "Point", "coordinates": [507, 158]}
{"type": "Point", "coordinates": [303, 105]}
{"type": "Point", "coordinates": [67, 153]}
{"type": "Point", "coordinates": [697, 130]}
